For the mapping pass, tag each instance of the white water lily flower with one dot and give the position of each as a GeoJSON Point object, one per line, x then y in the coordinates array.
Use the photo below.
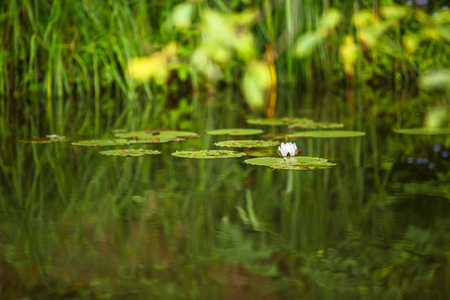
{"type": "Point", "coordinates": [287, 148]}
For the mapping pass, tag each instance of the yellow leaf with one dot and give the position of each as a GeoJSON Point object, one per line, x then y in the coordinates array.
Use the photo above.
{"type": "Point", "coordinates": [349, 52]}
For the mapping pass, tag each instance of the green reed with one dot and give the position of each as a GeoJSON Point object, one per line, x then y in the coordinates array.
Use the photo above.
{"type": "Point", "coordinates": [67, 56]}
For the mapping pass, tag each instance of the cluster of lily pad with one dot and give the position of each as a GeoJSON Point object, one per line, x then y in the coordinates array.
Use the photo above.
{"type": "Point", "coordinates": [288, 151]}
{"type": "Point", "coordinates": [303, 123]}
{"type": "Point", "coordinates": [152, 136]}
{"type": "Point", "coordinates": [269, 157]}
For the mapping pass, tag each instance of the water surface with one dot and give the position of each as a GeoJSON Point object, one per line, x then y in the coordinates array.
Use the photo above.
{"type": "Point", "coordinates": [78, 225]}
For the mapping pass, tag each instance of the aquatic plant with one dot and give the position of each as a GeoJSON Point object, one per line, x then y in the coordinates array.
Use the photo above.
{"type": "Point", "coordinates": [286, 149]}
{"type": "Point", "coordinates": [301, 163]}
{"type": "Point", "coordinates": [129, 152]}
{"type": "Point", "coordinates": [235, 131]}
{"type": "Point", "coordinates": [247, 143]}
{"type": "Point", "coordinates": [208, 154]}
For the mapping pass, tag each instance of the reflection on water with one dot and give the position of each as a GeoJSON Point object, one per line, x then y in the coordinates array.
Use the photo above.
{"type": "Point", "coordinates": [75, 224]}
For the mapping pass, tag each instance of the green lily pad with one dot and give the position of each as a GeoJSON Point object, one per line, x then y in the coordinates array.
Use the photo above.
{"type": "Point", "coordinates": [159, 140]}
{"type": "Point", "coordinates": [235, 131]}
{"type": "Point", "coordinates": [269, 122]}
{"type": "Point", "coordinates": [424, 131]}
{"type": "Point", "coordinates": [281, 136]}
{"type": "Point", "coordinates": [278, 121]}
{"type": "Point", "coordinates": [328, 134]}
{"type": "Point", "coordinates": [208, 154]}
{"type": "Point", "coordinates": [129, 152]}
{"type": "Point", "coordinates": [316, 125]}
{"type": "Point", "coordinates": [262, 153]}
{"type": "Point", "coordinates": [247, 143]}
{"type": "Point", "coordinates": [291, 163]}
{"type": "Point", "coordinates": [104, 143]}
{"type": "Point", "coordinates": [46, 140]}
{"type": "Point", "coordinates": [152, 133]}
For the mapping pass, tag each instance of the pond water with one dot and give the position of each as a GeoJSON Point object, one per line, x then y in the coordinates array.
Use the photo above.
{"type": "Point", "coordinates": [78, 225]}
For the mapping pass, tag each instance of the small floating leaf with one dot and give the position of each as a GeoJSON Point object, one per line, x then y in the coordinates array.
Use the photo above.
{"type": "Point", "coordinates": [278, 121]}
{"type": "Point", "coordinates": [291, 163]}
{"type": "Point", "coordinates": [297, 120]}
{"type": "Point", "coordinates": [269, 122]}
{"type": "Point", "coordinates": [262, 153]}
{"type": "Point", "coordinates": [328, 134]}
{"type": "Point", "coordinates": [424, 131]}
{"type": "Point", "coordinates": [208, 154]}
{"type": "Point", "coordinates": [278, 136]}
{"type": "Point", "coordinates": [159, 140]}
{"type": "Point", "coordinates": [315, 125]}
{"type": "Point", "coordinates": [235, 131]}
{"type": "Point", "coordinates": [247, 144]}
{"type": "Point", "coordinates": [148, 134]}
{"type": "Point", "coordinates": [181, 134]}
{"type": "Point", "coordinates": [46, 140]}
{"type": "Point", "coordinates": [104, 143]}
{"type": "Point", "coordinates": [129, 152]}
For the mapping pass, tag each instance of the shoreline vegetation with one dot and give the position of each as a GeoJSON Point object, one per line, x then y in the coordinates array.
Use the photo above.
{"type": "Point", "coordinates": [124, 57]}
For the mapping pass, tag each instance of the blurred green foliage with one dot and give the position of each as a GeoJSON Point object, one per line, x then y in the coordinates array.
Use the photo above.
{"type": "Point", "coordinates": [82, 50]}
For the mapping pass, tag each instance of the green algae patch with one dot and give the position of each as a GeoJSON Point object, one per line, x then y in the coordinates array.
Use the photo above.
{"type": "Point", "coordinates": [302, 163]}
{"type": "Point", "coordinates": [235, 131]}
{"type": "Point", "coordinates": [247, 143]}
{"type": "Point", "coordinates": [316, 125]}
{"type": "Point", "coordinates": [328, 134]}
{"type": "Point", "coordinates": [129, 152]}
{"type": "Point", "coordinates": [46, 140]}
{"type": "Point", "coordinates": [152, 133]}
{"type": "Point", "coordinates": [208, 154]}
{"type": "Point", "coordinates": [424, 131]}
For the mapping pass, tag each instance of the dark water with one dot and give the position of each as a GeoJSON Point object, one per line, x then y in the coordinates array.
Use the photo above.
{"type": "Point", "coordinates": [78, 225]}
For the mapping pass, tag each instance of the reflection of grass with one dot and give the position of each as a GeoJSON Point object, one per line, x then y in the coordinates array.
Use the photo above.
{"type": "Point", "coordinates": [75, 224]}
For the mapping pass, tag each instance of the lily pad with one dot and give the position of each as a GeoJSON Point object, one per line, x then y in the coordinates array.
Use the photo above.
{"type": "Point", "coordinates": [328, 134]}
{"type": "Point", "coordinates": [291, 163]}
{"type": "Point", "coordinates": [151, 133]}
{"type": "Point", "coordinates": [247, 143]}
{"type": "Point", "coordinates": [159, 140]}
{"type": "Point", "coordinates": [424, 131]}
{"type": "Point", "coordinates": [316, 125]}
{"type": "Point", "coordinates": [104, 143]}
{"type": "Point", "coordinates": [129, 152]}
{"type": "Point", "coordinates": [208, 154]}
{"type": "Point", "coordinates": [281, 136]}
{"type": "Point", "coordinates": [262, 153]}
{"type": "Point", "coordinates": [269, 122]}
{"type": "Point", "coordinates": [46, 140]}
{"type": "Point", "coordinates": [278, 121]}
{"type": "Point", "coordinates": [235, 131]}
